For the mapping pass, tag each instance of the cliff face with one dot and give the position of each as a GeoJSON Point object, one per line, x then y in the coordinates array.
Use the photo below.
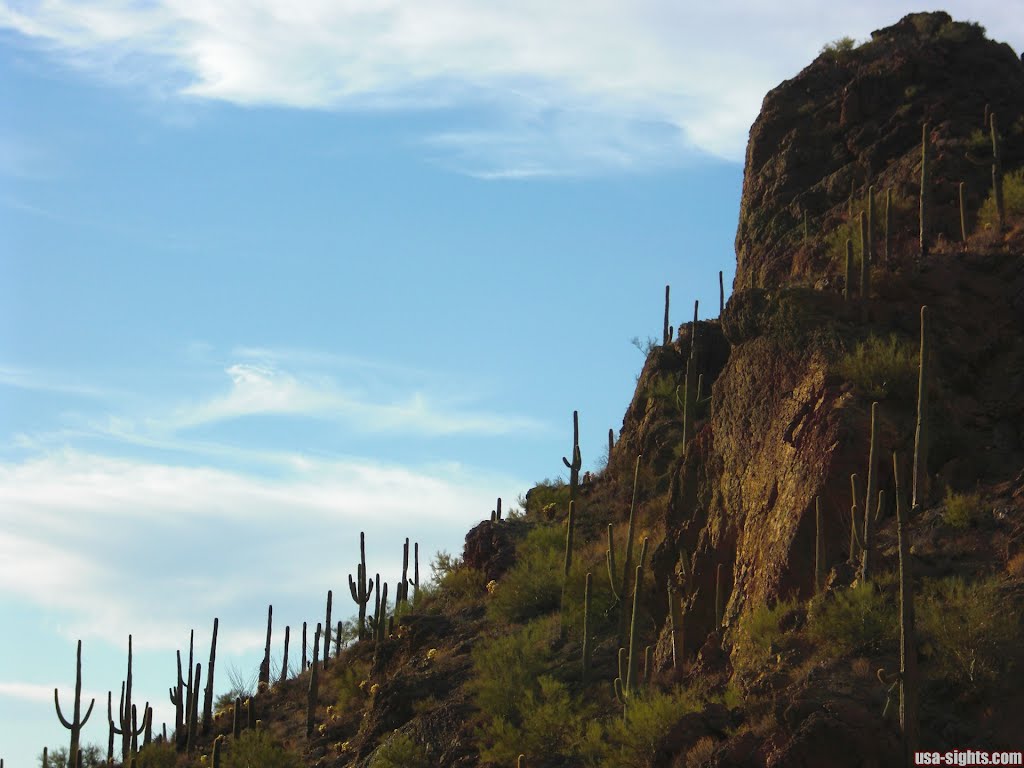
{"type": "Point", "coordinates": [785, 424]}
{"type": "Point", "coordinates": [853, 119]}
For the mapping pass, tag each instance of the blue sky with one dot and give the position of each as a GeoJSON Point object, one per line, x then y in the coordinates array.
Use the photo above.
{"type": "Point", "coordinates": [275, 273]}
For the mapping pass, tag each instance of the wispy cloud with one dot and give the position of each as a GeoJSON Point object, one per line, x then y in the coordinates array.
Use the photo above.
{"type": "Point", "coordinates": [569, 86]}
{"type": "Point", "coordinates": [77, 528]}
{"type": "Point", "coordinates": [257, 390]}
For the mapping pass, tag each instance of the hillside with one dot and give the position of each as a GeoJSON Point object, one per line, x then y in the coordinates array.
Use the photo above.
{"type": "Point", "coordinates": [722, 546]}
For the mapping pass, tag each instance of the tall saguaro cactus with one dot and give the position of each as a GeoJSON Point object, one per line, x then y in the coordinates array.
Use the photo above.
{"type": "Point", "coordinates": [577, 460]}
{"type": "Point", "coordinates": [284, 661]}
{"type": "Point", "coordinates": [264, 677]}
{"type": "Point", "coordinates": [314, 685]}
{"type": "Point", "coordinates": [620, 595]}
{"type": "Point", "coordinates": [361, 587]}
{"type": "Point", "coordinates": [327, 628]}
{"type": "Point", "coordinates": [690, 391]}
{"type": "Point", "coordinates": [870, 495]}
{"type": "Point", "coordinates": [208, 693]}
{"type": "Point", "coordinates": [666, 332]}
{"type": "Point", "coordinates": [909, 718]}
{"type": "Point", "coordinates": [125, 710]}
{"type": "Point", "coordinates": [919, 482]}
{"type": "Point", "coordinates": [77, 721]}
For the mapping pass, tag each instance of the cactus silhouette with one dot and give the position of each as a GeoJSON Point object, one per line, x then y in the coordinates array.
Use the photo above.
{"type": "Point", "coordinates": [77, 721]}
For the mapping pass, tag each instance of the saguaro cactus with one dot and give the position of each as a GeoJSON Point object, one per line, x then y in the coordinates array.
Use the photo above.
{"type": "Point", "coordinates": [77, 721]}
{"type": "Point", "coordinates": [303, 665]}
{"type": "Point", "coordinates": [666, 333]}
{"type": "Point", "coordinates": [634, 634]}
{"type": "Point", "coordinates": [327, 628]}
{"type": "Point", "coordinates": [888, 226]}
{"type": "Point", "coordinates": [208, 693]}
{"type": "Point", "coordinates": [314, 686]}
{"type": "Point", "coordinates": [125, 710]}
{"type": "Point", "coordinates": [361, 588]}
{"type": "Point", "coordinates": [721, 294]}
{"type": "Point", "coordinates": [870, 495]}
{"type": "Point", "coordinates": [264, 677]}
{"type": "Point", "coordinates": [848, 287]}
{"type": "Point", "coordinates": [909, 718]}
{"type": "Point", "coordinates": [620, 595]}
{"type": "Point", "coordinates": [577, 460]}
{"type": "Point", "coordinates": [690, 391]}
{"type": "Point", "coordinates": [920, 480]}
{"type": "Point", "coordinates": [177, 694]}
{"type": "Point", "coordinates": [871, 225]}
{"type": "Point", "coordinates": [216, 751]}
{"type": "Point", "coordinates": [284, 662]}
{"type": "Point", "coordinates": [865, 260]}
{"type": "Point", "coordinates": [193, 716]}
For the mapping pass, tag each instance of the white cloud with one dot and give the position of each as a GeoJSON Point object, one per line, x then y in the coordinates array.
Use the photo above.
{"type": "Point", "coordinates": [264, 390]}
{"type": "Point", "coordinates": [571, 86]}
{"type": "Point", "coordinates": [77, 529]}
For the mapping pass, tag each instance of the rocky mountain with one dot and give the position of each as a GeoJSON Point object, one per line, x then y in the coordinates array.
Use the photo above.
{"type": "Point", "coordinates": [767, 621]}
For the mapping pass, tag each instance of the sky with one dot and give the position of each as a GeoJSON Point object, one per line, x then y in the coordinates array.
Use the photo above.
{"type": "Point", "coordinates": [274, 273]}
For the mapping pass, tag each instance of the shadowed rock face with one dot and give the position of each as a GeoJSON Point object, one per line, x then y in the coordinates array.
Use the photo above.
{"type": "Point", "coordinates": [853, 119]}
{"type": "Point", "coordinates": [784, 427]}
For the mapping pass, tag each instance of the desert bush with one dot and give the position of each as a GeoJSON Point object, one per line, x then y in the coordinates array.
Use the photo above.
{"type": "Point", "coordinates": [758, 634]}
{"type": "Point", "coordinates": [961, 510]}
{"type": "Point", "coordinates": [881, 368]}
{"type": "Point", "coordinates": [545, 493]}
{"type": "Point", "coordinates": [92, 757]}
{"type": "Point", "coordinates": [856, 620]}
{"type": "Point", "coordinates": [454, 580]}
{"type": "Point", "coordinates": [533, 586]}
{"type": "Point", "coordinates": [158, 755]}
{"type": "Point", "coordinates": [256, 748]}
{"type": "Point", "coordinates": [970, 631]}
{"type": "Point", "coordinates": [506, 667]}
{"type": "Point", "coordinates": [344, 685]}
{"type": "Point", "coordinates": [837, 48]}
{"type": "Point", "coordinates": [400, 750]}
{"type": "Point", "coordinates": [635, 740]}
{"type": "Point", "coordinates": [548, 722]}
{"type": "Point", "coordinates": [1013, 199]}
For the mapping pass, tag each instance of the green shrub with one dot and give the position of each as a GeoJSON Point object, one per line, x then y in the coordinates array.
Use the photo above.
{"type": "Point", "coordinates": [400, 751]}
{"type": "Point", "coordinates": [961, 509]}
{"type": "Point", "coordinates": [257, 748]}
{"type": "Point", "coordinates": [759, 634]}
{"type": "Point", "coordinates": [836, 48]}
{"type": "Point", "coordinates": [1013, 198]}
{"type": "Point", "coordinates": [344, 686]}
{"type": "Point", "coordinates": [881, 368]}
{"type": "Point", "coordinates": [635, 740]}
{"type": "Point", "coordinates": [548, 722]}
{"type": "Point", "coordinates": [534, 584]}
{"type": "Point", "coordinates": [855, 620]}
{"type": "Point", "coordinates": [507, 667]}
{"type": "Point", "coordinates": [970, 631]}
{"type": "Point", "coordinates": [461, 582]}
{"type": "Point", "coordinates": [545, 493]}
{"type": "Point", "coordinates": [157, 755]}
